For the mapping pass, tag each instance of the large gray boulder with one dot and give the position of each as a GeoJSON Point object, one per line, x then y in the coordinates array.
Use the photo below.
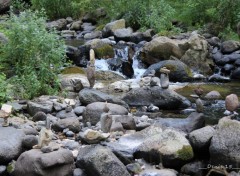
{"type": "Point", "coordinates": [59, 24]}
{"type": "Point", "coordinates": [97, 160]}
{"type": "Point", "coordinates": [200, 139]}
{"type": "Point", "coordinates": [179, 72]}
{"type": "Point", "coordinates": [4, 5]}
{"type": "Point", "coordinates": [193, 122]}
{"type": "Point", "coordinates": [197, 56]}
{"type": "Point", "coordinates": [229, 46]}
{"type": "Point", "coordinates": [170, 147]}
{"type": "Point", "coordinates": [34, 162]}
{"type": "Point", "coordinates": [110, 28]}
{"type": "Point", "coordinates": [11, 144]}
{"type": "Point", "coordinates": [94, 110]}
{"type": "Point", "coordinates": [163, 98]}
{"type": "Point", "coordinates": [72, 124]}
{"type": "Point", "coordinates": [161, 48]}
{"type": "Point", "coordinates": [124, 34]}
{"type": "Point", "coordinates": [88, 96]}
{"type": "Point", "coordinates": [225, 148]}
{"type": "Point", "coordinates": [43, 104]}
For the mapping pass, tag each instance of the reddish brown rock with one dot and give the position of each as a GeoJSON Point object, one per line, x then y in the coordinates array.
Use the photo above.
{"type": "Point", "coordinates": [231, 102]}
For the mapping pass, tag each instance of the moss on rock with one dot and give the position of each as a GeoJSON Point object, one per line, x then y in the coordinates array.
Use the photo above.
{"type": "Point", "coordinates": [73, 70]}
{"type": "Point", "coordinates": [104, 51]}
{"type": "Point", "coordinates": [186, 153]}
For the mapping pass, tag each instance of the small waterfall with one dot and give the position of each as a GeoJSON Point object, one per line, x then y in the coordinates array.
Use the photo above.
{"type": "Point", "coordinates": [138, 71]}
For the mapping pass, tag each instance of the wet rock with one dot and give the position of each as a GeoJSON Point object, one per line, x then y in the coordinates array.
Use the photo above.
{"type": "Point", "coordinates": [225, 148]}
{"type": "Point", "coordinates": [123, 34]}
{"type": "Point", "coordinates": [94, 110]}
{"type": "Point", "coordinates": [200, 139]}
{"type": "Point", "coordinates": [110, 28]}
{"type": "Point", "coordinates": [222, 61]}
{"type": "Point", "coordinates": [95, 159]}
{"type": "Point", "coordinates": [192, 122]}
{"type": "Point", "coordinates": [34, 162]}
{"type": "Point", "coordinates": [70, 134]}
{"type": "Point", "coordinates": [39, 116]}
{"type": "Point", "coordinates": [170, 147]}
{"type": "Point", "coordinates": [231, 102]}
{"type": "Point", "coordinates": [156, 172]}
{"type": "Point", "coordinates": [214, 41]}
{"type": "Point", "coordinates": [230, 46]}
{"type": "Point", "coordinates": [228, 68]}
{"type": "Point", "coordinates": [88, 96]}
{"type": "Point", "coordinates": [11, 144]}
{"type": "Point", "coordinates": [93, 137]}
{"type": "Point", "coordinates": [72, 124]}
{"type": "Point", "coordinates": [179, 71]}
{"type": "Point", "coordinates": [162, 98]}
{"type": "Point", "coordinates": [213, 95]}
{"type": "Point", "coordinates": [218, 78]}
{"type": "Point", "coordinates": [127, 69]}
{"type": "Point", "coordinates": [134, 168]}
{"type": "Point", "coordinates": [160, 48]}
{"type": "Point", "coordinates": [29, 141]}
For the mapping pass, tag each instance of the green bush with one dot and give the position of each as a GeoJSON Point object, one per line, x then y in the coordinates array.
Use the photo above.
{"type": "Point", "coordinates": [54, 8]}
{"type": "Point", "coordinates": [32, 54]}
{"type": "Point", "coordinates": [3, 88]}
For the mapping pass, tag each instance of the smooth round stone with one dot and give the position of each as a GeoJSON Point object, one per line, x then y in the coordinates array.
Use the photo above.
{"type": "Point", "coordinates": [70, 134]}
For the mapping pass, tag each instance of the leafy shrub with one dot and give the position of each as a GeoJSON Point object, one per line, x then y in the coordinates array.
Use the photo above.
{"type": "Point", "coordinates": [54, 8]}
{"type": "Point", "coordinates": [3, 88]}
{"type": "Point", "coordinates": [32, 54]}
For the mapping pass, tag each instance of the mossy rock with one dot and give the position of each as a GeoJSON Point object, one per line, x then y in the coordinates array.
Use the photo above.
{"type": "Point", "coordinates": [108, 76]}
{"type": "Point", "coordinates": [186, 153]}
{"type": "Point", "coordinates": [73, 70]}
{"type": "Point", "coordinates": [104, 51]}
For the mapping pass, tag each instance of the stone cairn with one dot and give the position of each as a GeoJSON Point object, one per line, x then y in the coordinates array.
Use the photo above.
{"type": "Point", "coordinates": [106, 119]}
{"type": "Point", "coordinates": [91, 69]}
{"type": "Point", "coordinates": [5, 112]}
{"type": "Point", "coordinates": [164, 78]}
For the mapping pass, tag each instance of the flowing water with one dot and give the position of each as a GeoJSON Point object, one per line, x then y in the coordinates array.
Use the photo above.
{"type": "Point", "coordinates": [213, 111]}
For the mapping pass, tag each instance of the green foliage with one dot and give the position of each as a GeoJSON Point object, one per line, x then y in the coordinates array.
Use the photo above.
{"type": "Point", "coordinates": [19, 5]}
{"type": "Point", "coordinates": [33, 55]}
{"type": "Point", "coordinates": [54, 8]}
{"type": "Point", "coordinates": [3, 88]}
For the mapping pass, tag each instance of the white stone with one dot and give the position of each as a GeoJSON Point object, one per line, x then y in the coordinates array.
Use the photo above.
{"type": "Point", "coordinates": [7, 108]}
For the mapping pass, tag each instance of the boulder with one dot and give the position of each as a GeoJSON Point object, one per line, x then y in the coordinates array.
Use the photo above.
{"type": "Point", "coordinates": [162, 98]}
{"type": "Point", "coordinates": [224, 148]}
{"type": "Point", "coordinates": [72, 124]}
{"type": "Point", "coordinates": [193, 168]}
{"type": "Point", "coordinates": [194, 121]}
{"type": "Point", "coordinates": [59, 24]}
{"type": "Point", "coordinates": [219, 78]}
{"type": "Point", "coordinates": [4, 5]}
{"type": "Point", "coordinates": [213, 95]}
{"type": "Point", "coordinates": [229, 46]}
{"type": "Point", "coordinates": [76, 25]}
{"type": "Point", "coordinates": [11, 144]}
{"type": "Point", "coordinates": [161, 48]}
{"type": "Point", "coordinates": [231, 102]}
{"type": "Point", "coordinates": [34, 162]}
{"type": "Point", "coordinates": [93, 35]}
{"type": "Point", "coordinates": [94, 16]}
{"type": "Point", "coordinates": [200, 139]}
{"type": "Point", "coordinates": [93, 137]}
{"type": "Point", "coordinates": [127, 121]}
{"type": "Point", "coordinates": [79, 110]}
{"type": "Point", "coordinates": [101, 48]}
{"type": "Point", "coordinates": [88, 96]}
{"type": "Point", "coordinates": [170, 147]}
{"type": "Point", "coordinates": [63, 114]}
{"type": "Point", "coordinates": [124, 34]}
{"type": "Point", "coordinates": [97, 160]}
{"type": "Point", "coordinates": [39, 116]}
{"type": "Point", "coordinates": [196, 57]}
{"type": "Point", "coordinates": [43, 104]}
{"type": "Point", "coordinates": [179, 72]}
{"type": "Point", "coordinates": [236, 73]}
{"type": "Point", "coordinates": [29, 141]}
{"type": "Point", "coordinates": [93, 111]}
{"type": "Point", "coordinates": [110, 28]}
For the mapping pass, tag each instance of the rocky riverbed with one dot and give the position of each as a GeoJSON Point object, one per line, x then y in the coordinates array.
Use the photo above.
{"type": "Point", "coordinates": [131, 133]}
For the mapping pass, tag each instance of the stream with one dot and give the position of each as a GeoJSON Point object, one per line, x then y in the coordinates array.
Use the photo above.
{"type": "Point", "coordinates": [213, 111]}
